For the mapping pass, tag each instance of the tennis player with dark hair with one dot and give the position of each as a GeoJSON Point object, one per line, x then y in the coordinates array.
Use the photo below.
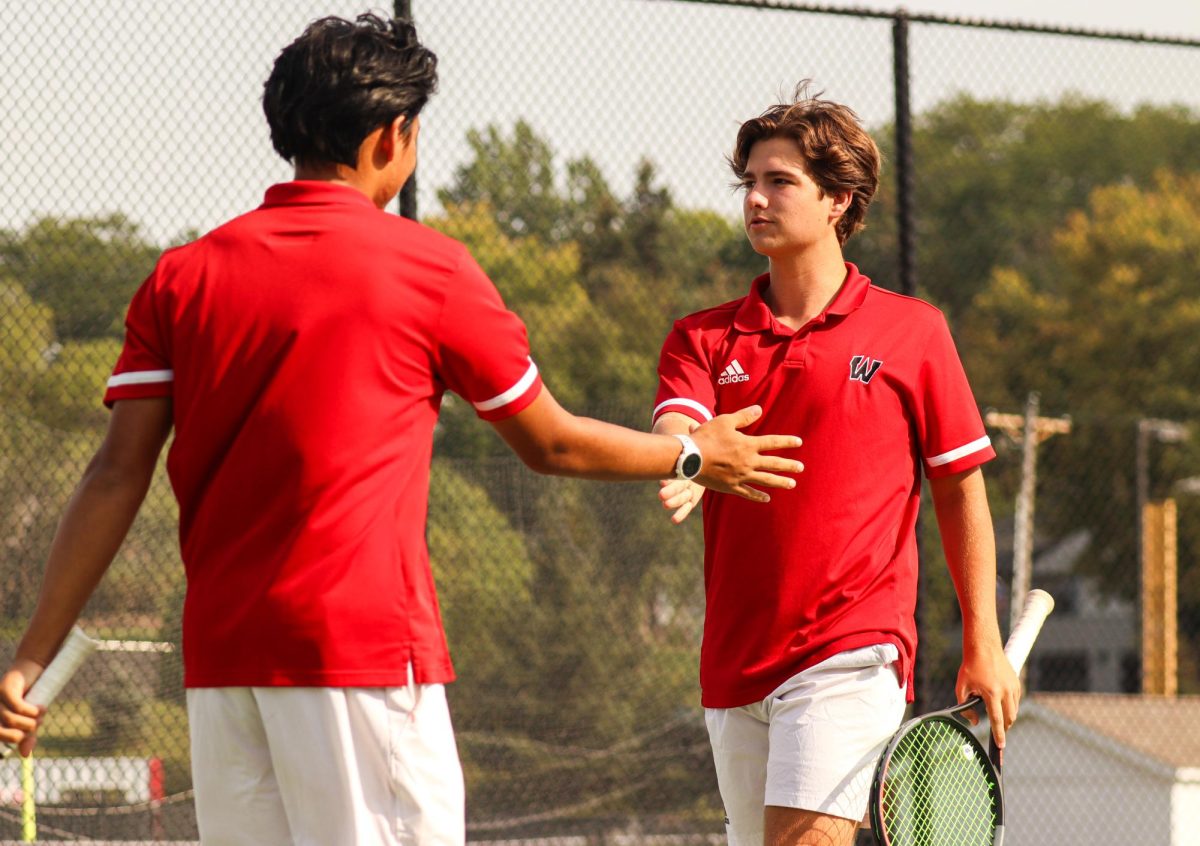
{"type": "Point", "coordinates": [809, 632]}
{"type": "Point", "coordinates": [300, 353]}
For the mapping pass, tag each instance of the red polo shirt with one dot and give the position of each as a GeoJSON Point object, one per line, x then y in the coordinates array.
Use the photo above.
{"type": "Point", "coordinates": [306, 346]}
{"type": "Point", "coordinates": [875, 388]}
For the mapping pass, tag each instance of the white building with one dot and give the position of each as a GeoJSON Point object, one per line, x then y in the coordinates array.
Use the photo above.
{"type": "Point", "coordinates": [1103, 770]}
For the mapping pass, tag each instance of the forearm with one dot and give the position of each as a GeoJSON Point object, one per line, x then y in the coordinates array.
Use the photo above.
{"type": "Point", "coordinates": [968, 541]}
{"type": "Point", "coordinates": [89, 534]}
{"type": "Point", "coordinates": [95, 521]}
{"type": "Point", "coordinates": [563, 444]}
{"type": "Point", "coordinates": [674, 423]}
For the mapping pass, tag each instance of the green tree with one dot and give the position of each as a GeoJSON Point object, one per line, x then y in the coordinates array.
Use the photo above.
{"type": "Point", "coordinates": [616, 596]}
{"type": "Point", "coordinates": [995, 180]}
{"type": "Point", "coordinates": [84, 269]}
{"type": "Point", "coordinates": [1105, 329]}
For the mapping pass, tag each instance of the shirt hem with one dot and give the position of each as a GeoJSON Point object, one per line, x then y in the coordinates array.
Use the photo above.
{"type": "Point", "coordinates": [392, 677]}
{"type": "Point", "coordinates": [736, 697]}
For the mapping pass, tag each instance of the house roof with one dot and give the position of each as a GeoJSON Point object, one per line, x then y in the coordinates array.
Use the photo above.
{"type": "Point", "coordinates": [1162, 728]}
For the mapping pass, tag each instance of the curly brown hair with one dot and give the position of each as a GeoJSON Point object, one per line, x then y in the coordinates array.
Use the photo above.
{"type": "Point", "coordinates": [839, 155]}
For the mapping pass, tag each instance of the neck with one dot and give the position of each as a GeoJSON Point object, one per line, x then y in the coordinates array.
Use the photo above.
{"type": "Point", "coordinates": [340, 174]}
{"type": "Point", "coordinates": [803, 285]}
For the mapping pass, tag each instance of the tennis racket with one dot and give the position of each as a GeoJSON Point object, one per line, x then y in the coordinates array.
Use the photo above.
{"type": "Point", "coordinates": [935, 785]}
{"type": "Point", "coordinates": [71, 655]}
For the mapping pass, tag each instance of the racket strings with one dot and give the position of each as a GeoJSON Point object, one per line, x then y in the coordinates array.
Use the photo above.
{"type": "Point", "coordinates": [939, 790]}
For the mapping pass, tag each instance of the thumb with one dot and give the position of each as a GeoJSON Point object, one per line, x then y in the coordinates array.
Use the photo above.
{"type": "Point", "coordinates": [744, 417]}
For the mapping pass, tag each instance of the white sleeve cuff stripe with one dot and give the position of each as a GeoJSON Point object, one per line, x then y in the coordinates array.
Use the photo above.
{"type": "Point", "coordinates": [141, 377]}
{"type": "Point", "coordinates": [513, 393]}
{"type": "Point", "coordinates": [687, 403]}
{"type": "Point", "coordinates": [955, 454]}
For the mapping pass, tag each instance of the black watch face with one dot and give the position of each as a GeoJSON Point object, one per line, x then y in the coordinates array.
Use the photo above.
{"type": "Point", "coordinates": [691, 465]}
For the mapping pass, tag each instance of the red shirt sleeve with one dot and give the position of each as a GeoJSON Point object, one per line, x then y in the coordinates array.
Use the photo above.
{"type": "Point", "coordinates": [483, 349]}
{"type": "Point", "coordinates": [949, 428]}
{"type": "Point", "coordinates": [685, 383]}
{"type": "Point", "coordinates": [144, 366]}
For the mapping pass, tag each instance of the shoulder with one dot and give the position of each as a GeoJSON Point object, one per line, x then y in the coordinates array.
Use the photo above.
{"type": "Point", "coordinates": [903, 304]}
{"type": "Point", "coordinates": [717, 319]}
{"type": "Point", "coordinates": [914, 314]}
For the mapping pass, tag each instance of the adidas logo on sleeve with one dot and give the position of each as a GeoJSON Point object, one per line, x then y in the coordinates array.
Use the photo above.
{"type": "Point", "coordinates": [733, 373]}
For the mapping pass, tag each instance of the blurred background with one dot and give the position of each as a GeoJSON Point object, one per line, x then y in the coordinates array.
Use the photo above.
{"type": "Point", "coordinates": [1041, 186]}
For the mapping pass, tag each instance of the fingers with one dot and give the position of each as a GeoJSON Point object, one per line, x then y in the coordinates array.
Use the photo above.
{"type": "Point", "coordinates": [773, 443]}
{"type": "Point", "coordinates": [770, 480]}
{"type": "Point", "coordinates": [673, 492]}
{"type": "Point", "coordinates": [778, 464]}
{"type": "Point", "coordinates": [751, 494]}
{"type": "Point", "coordinates": [680, 495]}
{"type": "Point", "coordinates": [682, 512]}
{"type": "Point", "coordinates": [996, 716]}
{"type": "Point", "coordinates": [744, 417]}
{"type": "Point", "coordinates": [18, 718]}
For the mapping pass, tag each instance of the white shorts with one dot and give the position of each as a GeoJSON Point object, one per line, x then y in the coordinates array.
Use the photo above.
{"type": "Point", "coordinates": [812, 744]}
{"type": "Point", "coordinates": [317, 766]}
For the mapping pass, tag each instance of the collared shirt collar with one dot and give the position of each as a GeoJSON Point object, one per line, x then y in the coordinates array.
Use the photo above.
{"type": "Point", "coordinates": [313, 192]}
{"type": "Point", "coordinates": [754, 315]}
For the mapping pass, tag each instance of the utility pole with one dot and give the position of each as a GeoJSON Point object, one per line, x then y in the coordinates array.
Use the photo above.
{"type": "Point", "coordinates": [1030, 430]}
{"type": "Point", "coordinates": [1157, 552]}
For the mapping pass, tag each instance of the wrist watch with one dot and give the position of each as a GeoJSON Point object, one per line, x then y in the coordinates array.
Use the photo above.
{"type": "Point", "coordinates": [688, 465]}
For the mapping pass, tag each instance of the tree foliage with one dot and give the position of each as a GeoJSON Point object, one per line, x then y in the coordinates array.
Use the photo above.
{"type": "Point", "coordinates": [84, 269]}
{"type": "Point", "coordinates": [1105, 327]}
{"type": "Point", "coordinates": [996, 179]}
{"type": "Point", "coordinates": [1061, 238]}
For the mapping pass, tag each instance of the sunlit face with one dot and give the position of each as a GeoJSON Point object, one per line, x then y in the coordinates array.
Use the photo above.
{"type": "Point", "coordinates": [783, 209]}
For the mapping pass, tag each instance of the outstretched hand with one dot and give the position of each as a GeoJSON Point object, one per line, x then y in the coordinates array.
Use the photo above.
{"type": "Point", "coordinates": [733, 461]}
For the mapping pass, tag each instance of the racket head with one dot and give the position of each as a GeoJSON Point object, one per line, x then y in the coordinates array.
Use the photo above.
{"type": "Point", "coordinates": [935, 785]}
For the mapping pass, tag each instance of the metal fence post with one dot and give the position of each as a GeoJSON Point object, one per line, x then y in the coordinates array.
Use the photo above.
{"type": "Point", "coordinates": [408, 194]}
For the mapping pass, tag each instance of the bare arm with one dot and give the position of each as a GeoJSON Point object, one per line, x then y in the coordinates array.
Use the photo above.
{"type": "Point", "coordinates": [91, 530]}
{"type": "Point", "coordinates": [966, 528]}
{"type": "Point", "coordinates": [551, 440]}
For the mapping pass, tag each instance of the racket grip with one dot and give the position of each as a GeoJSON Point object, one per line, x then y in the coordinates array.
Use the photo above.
{"type": "Point", "coordinates": [1038, 605]}
{"type": "Point", "coordinates": [73, 652]}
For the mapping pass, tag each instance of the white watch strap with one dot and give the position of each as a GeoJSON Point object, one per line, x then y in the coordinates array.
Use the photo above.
{"type": "Point", "coordinates": [689, 448]}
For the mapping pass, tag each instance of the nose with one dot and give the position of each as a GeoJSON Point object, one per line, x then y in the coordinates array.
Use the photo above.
{"type": "Point", "coordinates": [755, 199]}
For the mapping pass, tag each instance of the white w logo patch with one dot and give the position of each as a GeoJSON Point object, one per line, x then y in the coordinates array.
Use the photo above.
{"type": "Point", "coordinates": [863, 368]}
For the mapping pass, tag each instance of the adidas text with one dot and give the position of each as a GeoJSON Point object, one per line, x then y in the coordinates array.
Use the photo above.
{"type": "Point", "coordinates": [733, 373]}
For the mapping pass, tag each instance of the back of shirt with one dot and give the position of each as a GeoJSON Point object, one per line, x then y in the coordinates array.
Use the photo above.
{"type": "Point", "coordinates": [306, 346]}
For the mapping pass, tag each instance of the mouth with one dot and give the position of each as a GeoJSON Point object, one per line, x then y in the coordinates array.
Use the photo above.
{"type": "Point", "coordinates": [757, 222]}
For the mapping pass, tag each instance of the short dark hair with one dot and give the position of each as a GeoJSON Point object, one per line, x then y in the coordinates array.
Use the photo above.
{"type": "Point", "coordinates": [838, 153]}
{"type": "Point", "coordinates": [341, 80]}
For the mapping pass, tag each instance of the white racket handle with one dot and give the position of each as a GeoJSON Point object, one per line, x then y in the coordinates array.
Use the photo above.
{"type": "Point", "coordinates": [1038, 605]}
{"type": "Point", "coordinates": [74, 651]}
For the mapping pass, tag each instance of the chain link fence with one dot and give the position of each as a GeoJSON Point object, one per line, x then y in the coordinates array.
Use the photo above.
{"type": "Point", "coordinates": [578, 149]}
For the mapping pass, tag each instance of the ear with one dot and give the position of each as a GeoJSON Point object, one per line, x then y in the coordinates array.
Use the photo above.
{"type": "Point", "coordinates": [841, 204]}
{"type": "Point", "coordinates": [393, 140]}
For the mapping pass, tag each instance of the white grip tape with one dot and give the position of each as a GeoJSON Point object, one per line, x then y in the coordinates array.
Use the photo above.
{"type": "Point", "coordinates": [74, 651]}
{"type": "Point", "coordinates": [1038, 605]}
